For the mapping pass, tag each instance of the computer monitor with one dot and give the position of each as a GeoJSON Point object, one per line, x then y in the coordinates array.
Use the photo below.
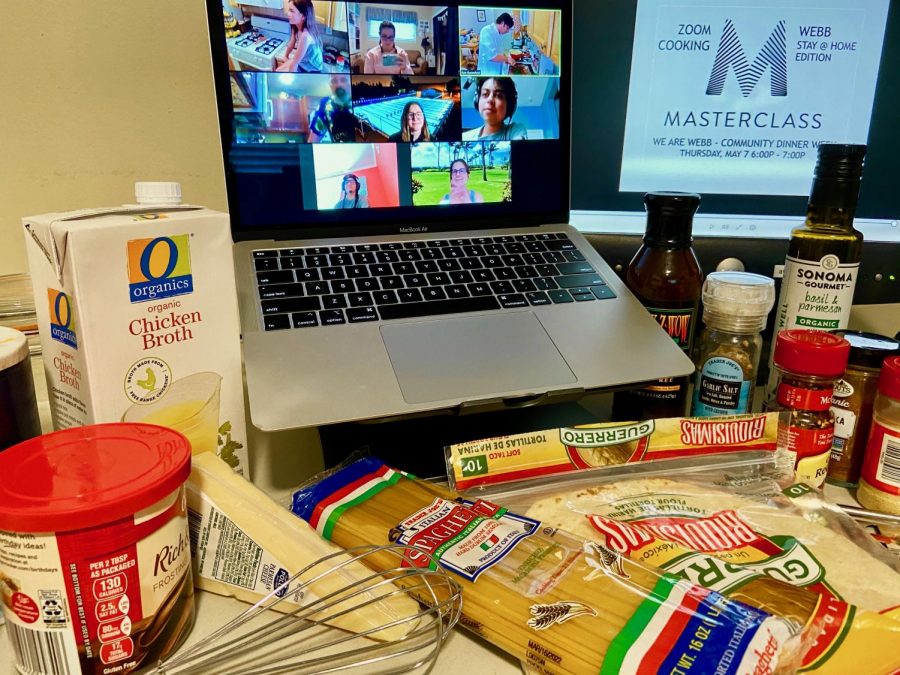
{"type": "Point", "coordinates": [730, 99]}
{"type": "Point", "coordinates": [349, 118]}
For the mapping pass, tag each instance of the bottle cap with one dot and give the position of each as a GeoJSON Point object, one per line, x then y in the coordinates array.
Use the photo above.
{"type": "Point", "coordinates": [670, 216]}
{"type": "Point", "coordinates": [738, 294]}
{"type": "Point", "coordinates": [157, 193]}
{"type": "Point", "coordinates": [889, 381]}
{"type": "Point", "coordinates": [840, 160]}
{"type": "Point", "coordinates": [87, 476]}
{"type": "Point", "coordinates": [868, 350]}
{"type": "Point", "coordinates": [811, 352]}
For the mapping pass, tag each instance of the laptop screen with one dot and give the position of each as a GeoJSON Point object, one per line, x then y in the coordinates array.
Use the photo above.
{"type": "Point", "coordinates": [350, 118]}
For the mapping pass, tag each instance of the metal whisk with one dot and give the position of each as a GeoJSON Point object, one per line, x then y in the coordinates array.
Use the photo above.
{"type": "Point", "coordinates": [297, 639]}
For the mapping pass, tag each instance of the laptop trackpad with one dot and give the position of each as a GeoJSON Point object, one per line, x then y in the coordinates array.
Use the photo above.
{"type": "Point", "coordinates": [464, 357]}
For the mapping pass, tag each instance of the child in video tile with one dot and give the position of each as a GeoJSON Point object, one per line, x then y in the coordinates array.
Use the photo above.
{"type": "Point", "coordinates": [494, 44]}
{"type": "Point", "coordinates": [334, 116]}
{"type": "Point", "coordinates": [459, 181]}
{"type": "Point", "coordinates": [350, 197]}
{"type": "Point", "coordinates": [495, 101]}
{"type": "Point", "coordinates": [386, 58]}
{"type": "Point", "coordinates": [304, 53]}
{"type": "Point", "coordinates": [413, 126]}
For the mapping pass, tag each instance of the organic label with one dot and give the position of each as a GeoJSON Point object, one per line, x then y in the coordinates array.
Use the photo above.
{"type": "Point", "coordinates": [817, 294]}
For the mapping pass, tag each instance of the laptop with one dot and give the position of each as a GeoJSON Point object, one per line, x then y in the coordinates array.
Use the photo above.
{"type": "Point", "coordinates": [398, 182]}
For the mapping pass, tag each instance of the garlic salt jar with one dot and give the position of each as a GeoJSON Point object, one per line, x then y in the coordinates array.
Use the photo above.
{"type": "Point", "coordinates": [95, 556]}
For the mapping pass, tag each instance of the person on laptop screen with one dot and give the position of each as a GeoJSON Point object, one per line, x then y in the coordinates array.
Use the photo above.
{"type": "Point", "coordinates": [350, 194]}
{"type": "Point", "coordinates": [413, 125]}
{"type": "Point", "coordinates": [304, 52]}
{"type": "Point", "coordinates": [459, 186]}
{"type": "Point", "coordinates": [333, 119]}
{"type": "Point", "coordinates": [494, 44]}
{"type": "Point", "coordinates": [496, 100]}
{"type": "Point", "coordinates": [386, 58]}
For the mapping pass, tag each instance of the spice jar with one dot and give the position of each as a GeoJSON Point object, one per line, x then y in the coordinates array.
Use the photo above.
{"type": "Point", "coordinates": [19, 418]}
{"type": "Point", "coordinates": [852, 402]}
{"type": "Point", "coordinates": [807, 365]}
{"type": "Point", "coordinates": [735, 307]}
{"type": "Point", "coordinates": [879, 485]}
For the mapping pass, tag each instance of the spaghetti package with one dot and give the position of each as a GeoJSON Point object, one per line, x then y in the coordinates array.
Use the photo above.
{"type": "Point", "coordinates": [560, 604]}
{"type": "Point", "coordinates": [597, 447]}
{"type": "Point", "coordinates": [743, 537]}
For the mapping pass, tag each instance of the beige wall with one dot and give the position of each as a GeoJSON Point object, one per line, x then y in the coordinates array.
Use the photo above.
{"type": "Point", "coordinates": [96, 95]}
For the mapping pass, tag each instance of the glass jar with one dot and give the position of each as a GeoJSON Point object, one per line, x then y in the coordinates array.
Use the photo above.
{"type": "Point", "coordinates": [735, 307]}
{"type": "Point", "coordinates": [851, 403]}
{"type": "Point", "coordinates": [807, 365]}
{"type": "Point", "coordinates": [879, 485]}
{"type": "Point", "coordinates": [19, 418]}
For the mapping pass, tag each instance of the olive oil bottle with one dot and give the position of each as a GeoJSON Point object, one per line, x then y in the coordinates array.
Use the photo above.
{"type": "Point", "coordinates": [822, 263]}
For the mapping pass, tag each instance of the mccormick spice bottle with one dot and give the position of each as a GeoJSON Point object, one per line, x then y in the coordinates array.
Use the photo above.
{"type": "Point", "coordinates": [879, 486]}
{"type": "Point", "coordinates": [735, 307]}
{"type": "Point", "coordinates": [666, 277]}
{"type": "Point", "coordinates": [807, 365]}
{"type": "Point", "coordinates": [851, 404]}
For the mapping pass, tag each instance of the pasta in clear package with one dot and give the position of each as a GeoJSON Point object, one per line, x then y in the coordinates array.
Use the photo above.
{"type": "Point", "coordinates": [558, 603]}
{"type": "Point", "coordinates": [730, 527]}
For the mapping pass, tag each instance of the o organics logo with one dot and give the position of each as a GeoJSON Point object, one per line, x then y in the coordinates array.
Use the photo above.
{"type": "Point", "coordinates": [159, 268]}
{"type": "Point", "coordinates": [62, 318]}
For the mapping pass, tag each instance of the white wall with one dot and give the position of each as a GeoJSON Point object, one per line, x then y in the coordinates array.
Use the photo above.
{"type": "Point", "coordinates": [96, 96]}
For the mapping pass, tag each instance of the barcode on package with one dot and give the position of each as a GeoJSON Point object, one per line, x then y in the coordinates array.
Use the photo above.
{"type": "Point", "coordinates": [39, 652]}
{"type": "Point", "coordinates": [889, 467]}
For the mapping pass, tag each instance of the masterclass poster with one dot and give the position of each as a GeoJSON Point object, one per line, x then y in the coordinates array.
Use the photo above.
{"type": "Point", "coordinates": [730, 98]}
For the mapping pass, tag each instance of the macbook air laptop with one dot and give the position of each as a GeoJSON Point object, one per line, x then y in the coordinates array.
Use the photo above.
{"type": "Point", "coordinates": [398, 182]}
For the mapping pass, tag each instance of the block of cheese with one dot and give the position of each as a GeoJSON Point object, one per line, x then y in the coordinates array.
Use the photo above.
{"type": "Point", "coordinates": [245, 545]}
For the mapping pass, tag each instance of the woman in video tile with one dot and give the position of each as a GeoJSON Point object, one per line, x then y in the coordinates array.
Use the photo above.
{"type": "Point", "coordinates": [459, 185]}
{"type": "Point", "coordinates": [413, 125]}
{"type": "Point", "coordinates": [496, 100]}
{"type": "Point", "coordinates": [386, 58]}
{"type": "Point", "coordinates": [350, 194]}
{"type": "Point", "coordinates": [304, 52]}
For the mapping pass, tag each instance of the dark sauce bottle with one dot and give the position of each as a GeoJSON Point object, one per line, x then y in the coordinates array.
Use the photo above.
{"type": "Point", "coordinates": [666, 277]}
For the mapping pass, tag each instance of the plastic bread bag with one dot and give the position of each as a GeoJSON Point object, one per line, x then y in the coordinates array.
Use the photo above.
{"type": "Point", "coordinates": [726, 524]}
{"type": "Point", "coordinates": [556, 602]}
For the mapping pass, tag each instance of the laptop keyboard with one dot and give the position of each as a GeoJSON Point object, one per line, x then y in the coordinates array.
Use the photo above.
{"type": "Point", "coordinates": [332, 285]}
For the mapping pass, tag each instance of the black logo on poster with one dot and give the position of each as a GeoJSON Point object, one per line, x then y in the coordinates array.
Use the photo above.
{"type": "Point", "coordinates": [730, 54]}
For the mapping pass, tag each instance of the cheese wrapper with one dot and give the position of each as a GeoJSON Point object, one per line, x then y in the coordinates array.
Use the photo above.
{"type": "Point", "coordinates": [245, 545]}
{"type": "Point", "coordinates": [504, 459]}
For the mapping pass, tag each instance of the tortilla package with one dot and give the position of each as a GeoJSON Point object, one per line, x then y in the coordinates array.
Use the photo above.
{"type": "Point", "coordinates": [737, 540]}
{"type": "Point", "coordinates": [503, 459]}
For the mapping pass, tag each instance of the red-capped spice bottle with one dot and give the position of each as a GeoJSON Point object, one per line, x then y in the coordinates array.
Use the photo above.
{"type": "Point", "coordinates": [807, 365]}
{"type": "Point", "coordinates": [666, 277]}
{"type": "Point", "coordinates": [879, 486]}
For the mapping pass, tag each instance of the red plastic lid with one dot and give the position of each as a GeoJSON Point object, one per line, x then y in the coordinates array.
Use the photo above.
{"type": "Point", "coordinates": [88, 476]}
{"type": "Point", "coordinates": [812, 352]}
{"type": "Point", "coordinates": [889, 381]}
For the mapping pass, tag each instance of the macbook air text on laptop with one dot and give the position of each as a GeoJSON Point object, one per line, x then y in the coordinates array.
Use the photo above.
{"type": "Point", "coordinates": [398, 181]}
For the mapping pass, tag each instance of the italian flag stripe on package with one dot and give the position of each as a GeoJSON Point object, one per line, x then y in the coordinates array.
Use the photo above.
{"type": "Point", "coordinates": [562, 604]}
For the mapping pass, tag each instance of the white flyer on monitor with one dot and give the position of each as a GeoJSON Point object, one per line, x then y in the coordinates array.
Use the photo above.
{"type": "Point", "coordinates": [732, 98]}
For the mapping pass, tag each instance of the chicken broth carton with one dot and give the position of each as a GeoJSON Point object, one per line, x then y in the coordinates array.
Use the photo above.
{"type": "Point", "coordinates": [138, 317]}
